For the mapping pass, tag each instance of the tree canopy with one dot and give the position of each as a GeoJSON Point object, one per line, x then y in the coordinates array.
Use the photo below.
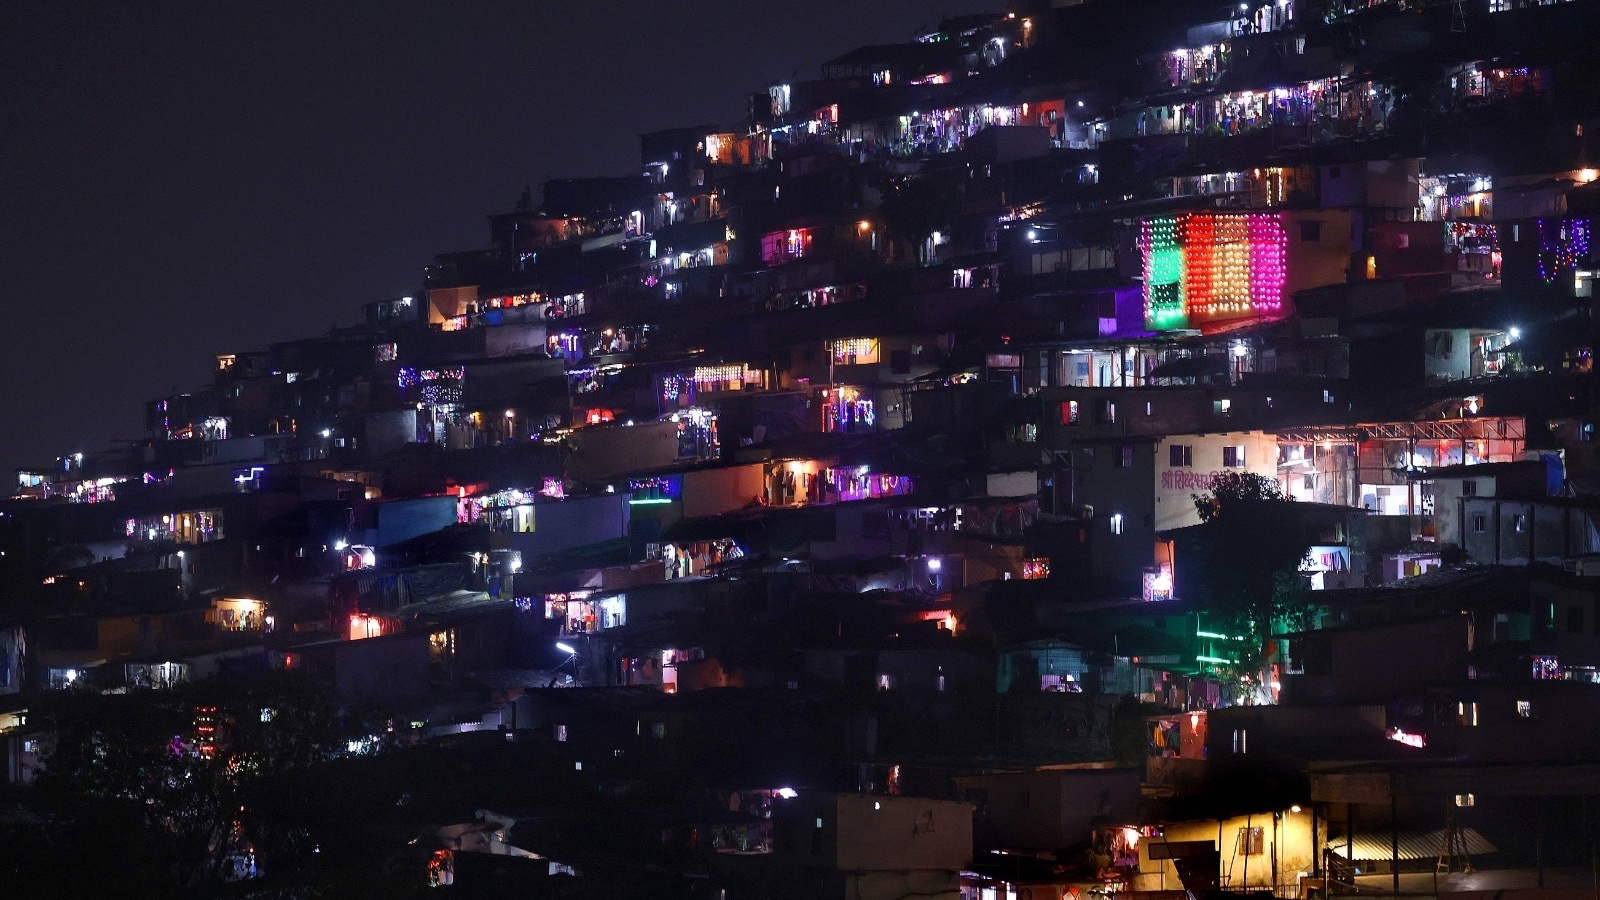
{"type": "Point", "coordinates": [1243, 562]}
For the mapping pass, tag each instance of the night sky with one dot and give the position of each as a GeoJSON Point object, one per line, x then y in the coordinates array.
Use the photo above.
{"type": "Point", "coordinates": [186, 179]}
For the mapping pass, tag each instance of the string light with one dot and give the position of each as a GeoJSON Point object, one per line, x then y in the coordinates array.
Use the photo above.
{"type": "Point", "coordinates": [1163, 273]}
{"type": "Point", "coordinates": [1212, 266]}
{"type": "Point", "coordinates": [409, 377]}
{"type": "Point", "coordinates": [1563, 244]}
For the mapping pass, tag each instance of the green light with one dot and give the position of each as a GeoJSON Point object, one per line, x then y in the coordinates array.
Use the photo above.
{"type": "Point", "coordinates": [1213, 634]}
{"type": "Point", "coordinates": [654, 501]}
{"type": "Point", "coordinates": [1212, 659]}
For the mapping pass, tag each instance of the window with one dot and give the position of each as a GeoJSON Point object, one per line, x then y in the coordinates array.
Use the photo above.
{"type": "Point", "coordinates": [1241, 740]}
{"type": "Point", "coordinates": [1249, 842]}
{"type": "Point", "coordinates": [1108, 412]}
{"type": "Point", "coordinates": [1116, 523]}
{"type": "Point", "coordinates": [1467, 714]}
{"type": "Point", "coordinates": [561, 732]}
{"type": "Point", "coordinates": [1180, 456]}
{"type": "Point", "coordinates": [1310, 232]}
{"type": "Point", "coordinates": [1149, 408]}
{"type": "Point", "coordinates": [1520, 523]}
{"type": "Point", "coordinates": [1575, 620]}
{"type": "Point", "coordinates": [1477, 523]}
{"type": "Point", "coordinates": [1525, 709]}
{"type": "Point", "coordinates": [1069, 412]}
{"type": "Point", "coordinates": [1233, 457]}
{"type": "Point", "coordinates": [1309, 482]}
{"type": "Point", "coordinates": [900, 362]}
{"type": "Point", "coordinates": [1466, 800]}
{"type": "Point", "coordinates": [1469, 487]}
{"type": "Point", "coordinates": [1125, 458]}
{"type": "Point", "coordinates": [1222, 407]}
{"type": "Point", "coordinates": [856, 352]}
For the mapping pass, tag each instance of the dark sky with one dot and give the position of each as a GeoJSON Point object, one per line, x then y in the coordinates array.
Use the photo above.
{"type": "Point", "coordinates": [184, 179]}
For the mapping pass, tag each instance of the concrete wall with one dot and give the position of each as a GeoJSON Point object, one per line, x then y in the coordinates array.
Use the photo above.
{"type": "Point", "coordinates": [1371, 664]}
{"type": "Point", "coordinates": [854, 537]}
{"type": "Point", "coordinates": [384, 669]}
{"type": "Point", "coordinates": [600, 453]}
{"type": "Point", "coordinates": [1285, 836]}
{"type": "Point", "coordinates": [708, 492]}
{"type": "Point", "coordinates": [1323, 260]}
{"type": "Point", "coordinates": [1447, 354]}
{"type": "Point", "coordinates": [1516, 532]}
{"type": "Point", "coordinates": [872, 832]}
{"type": "Point", "coordinates": [1175, 485]}
{"type": "Point", "coordinates": [1101, 481]}
{"type": "Point", "coordinates": [1049, 810]}
{"type": "Point", "coordinates": [387, 432]}
{"type": "Point", "coordinates": [565, 524]}
{"type": "Point", "coordinates": [511, 340]}
{"type": "Point", "coordinates": [1564, 621]}
{"type": "Point", "coordinates": [402, 520]}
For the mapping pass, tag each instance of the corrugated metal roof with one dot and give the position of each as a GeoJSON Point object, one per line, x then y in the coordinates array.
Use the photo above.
{"type": "Point", "coordinates": [1413, 845]}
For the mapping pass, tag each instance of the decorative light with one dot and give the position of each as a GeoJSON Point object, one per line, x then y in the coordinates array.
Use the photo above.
{"type": "Point", "coordinates": [1563, 244]}
{"type": "Point", "coordinates": [1213, 266]}
{"type": "Point", "coordinates": [408, 376]}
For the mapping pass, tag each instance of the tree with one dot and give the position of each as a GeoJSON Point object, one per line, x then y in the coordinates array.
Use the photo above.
{"type": "Point", "coordinates": [914, 209]}
{"type": "Point", "coordinates": [197, 772]}
{"type": "Point", "coordinates": [1243, 561]}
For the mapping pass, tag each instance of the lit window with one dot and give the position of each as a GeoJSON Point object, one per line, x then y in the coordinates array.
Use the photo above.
{"type": "Point", "coordinates": [1116, 523]}
{"type": "Point", "coordinates": [1069, 412]}
{"type": "Point", "coordinates": [1233, 457]}
{"type": "Point", "coordinates": [855, 352]}
{"type": "Point", "coordinates": [1525, 709]}
{"type": "Point", "coordinates": [1466, 800]}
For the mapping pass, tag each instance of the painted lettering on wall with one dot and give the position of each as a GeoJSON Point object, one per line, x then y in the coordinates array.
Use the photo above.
{"type": "Point", "coordinates": [1185, 480]}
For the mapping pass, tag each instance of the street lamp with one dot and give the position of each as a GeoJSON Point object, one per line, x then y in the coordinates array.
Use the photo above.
{"type": "Point", "coordinates": [572, 656]}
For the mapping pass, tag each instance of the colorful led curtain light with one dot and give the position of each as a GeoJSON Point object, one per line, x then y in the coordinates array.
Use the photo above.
{"type": "Point", "coordinates": [1163, 274]}
{"type": "Point", "coordinates": [1205, 267]}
